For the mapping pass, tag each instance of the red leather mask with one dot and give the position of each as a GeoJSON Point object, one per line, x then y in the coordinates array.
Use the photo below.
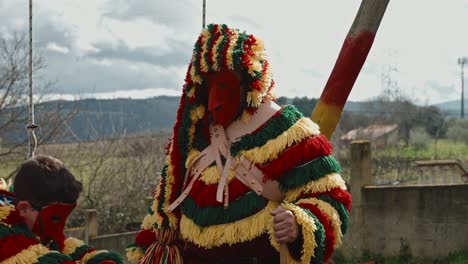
{"type": "Point", "coordinates": [224, 97]}
{"type": "Point", "coordinates": [50, 223]}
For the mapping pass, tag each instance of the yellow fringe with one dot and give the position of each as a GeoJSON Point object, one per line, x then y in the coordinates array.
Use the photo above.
{"type": "Point", "coordinates": [254, 66]}
{"type": "Point", "coordinates": [191, 93]}
{"type": "Point", "coordinates": [3, 185]}
{"type": "Point", "coordinates": [323, 184]}
{"type": "Point", "coordinates": [5, 211]}
{"type": "Point", "coordinates": [203, 63]}
{"type": "Point", "coordinates": [232, 45]}
{"type": "Point", "coordinates": [215, 52]}
{"type": "Point", "coordinates": [254, 98]}
{"type": "Point", "coordinates": [211, 176]}
{"type": "Point", "coordinates": [308, 228]}
{"type": "Point", "coordinates": [28, 255]}
{"type": "Point", "coordinates": [258, 49]}
{"type": "Point", "coordinates": [173, 221]}
{"type": "Point", "coordinates": [195, 77]}
{"type": "Point", "coordinates": [191, 133]}
{"type": "Point", "coordinates": [303, 128]}
{"type": "Point", "coordinates": [156, 218]}
{"type": "Point", "coordinates": [71, 244]}
{"type": "Point", "coordinates": [245, 116]}
{"type": "Point", "coordinates": [91, 255]}
{"type": "Point", "coordinates": [332, 214]}
{"type": "Point", "coordinates": [134, 254]}
{"type": "Point", "coordinates": [230, 233]}
{"type": "Point", "coordinates": [192, 155]}
{"type": "Point", "coordinates": [148, 222]}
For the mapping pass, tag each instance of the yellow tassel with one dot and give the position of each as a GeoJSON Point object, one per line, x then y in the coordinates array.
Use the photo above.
{"type": "Point", "coordinates": [71, 244]}
{"type": "Point", "coordinates": [323, 184]}
{"type": "Point", "coordinates": [231, 233]}
{"type": "Point", "coordinates": [27, 256]}
{"type": "Point", "coordinates": [303, 128]}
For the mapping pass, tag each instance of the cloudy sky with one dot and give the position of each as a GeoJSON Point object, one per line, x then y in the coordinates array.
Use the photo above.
{"type": "Point", "coordinates": [140, 48]}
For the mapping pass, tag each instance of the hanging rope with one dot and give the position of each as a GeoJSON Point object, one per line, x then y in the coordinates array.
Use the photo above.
{"type": "Point", "coordinates": [31, 126]}
{"type": "Point", "coordinates": [204, 12]}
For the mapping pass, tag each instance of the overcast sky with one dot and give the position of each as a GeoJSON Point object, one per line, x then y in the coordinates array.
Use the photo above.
{"type": "Point", "coordinates": [142, 48]}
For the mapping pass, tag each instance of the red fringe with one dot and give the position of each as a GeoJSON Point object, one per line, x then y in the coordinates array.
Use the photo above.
{"type": "Point", "coordinates": [213, 43]}
{"type": "Point", "coordinates": [337, 193]}
{"type": "Point", "coordinates": [14, 244]}
{"type": "Point", "coordinates": [296, 155]}
{"type": "Point", "coordinates": [226, 47]}
{"type": "Point", "coordinates": [330, 238]}
{"type": "Point", "coordinates": [205, 195]}
{"type": "Point", "coordinates": [145, 238]}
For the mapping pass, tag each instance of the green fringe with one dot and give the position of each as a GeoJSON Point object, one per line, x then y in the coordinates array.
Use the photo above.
{"type": "Point", "coordinates": [222, 46]}
{"type": "Point", "coordinates": [340, 208]}
{"type": "Point", "coordinates": [53, 258]}
{"type": "Point", "coordinates": [238, 51]}
{"type": "Point", "coordinates": [209, 46]}
{"type": "Point", "coordinates": [271, 130]}
{"type": "Point", "coordinates": [106, 256]}
{"type": "Point", "coordinates": [239, 209]}
{"type": "Point", "coordinates": [201, 141]}
{"type": "Point", "coordinates": [78, 253]}
{"type": "Point", "coordinates": [163, 196]}
{"type": "Point", "coordinates": [132, 245]}
{"type": "Point", "coordinates": [197, 58]}
{"type": "Point", "coordinates": [20, 229]}
{"type": "Point", "coordinates": [311, 171]}
{"type": "Point", "coordinates": [319, 239]}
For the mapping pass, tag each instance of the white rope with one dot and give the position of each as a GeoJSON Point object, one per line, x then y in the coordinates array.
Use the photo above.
{"type": "Point", "coordinates": [31, 126]}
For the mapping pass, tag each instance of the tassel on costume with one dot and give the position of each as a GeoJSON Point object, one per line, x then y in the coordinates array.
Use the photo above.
{"type": "Point", "coordinates": [164, 250]}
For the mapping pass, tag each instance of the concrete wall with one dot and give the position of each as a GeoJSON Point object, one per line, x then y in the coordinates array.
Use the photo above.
{"type": "Point", "coordinates": [432, 218]}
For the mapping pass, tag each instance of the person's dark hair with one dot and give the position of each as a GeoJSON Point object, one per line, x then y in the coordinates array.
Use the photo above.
{"type": "Point", "coordinates": [44, 179]}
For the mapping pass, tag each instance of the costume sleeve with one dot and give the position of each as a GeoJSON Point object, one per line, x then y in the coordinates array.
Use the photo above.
{"type": "Point", "coordinates": [78, 251]}
{"type": "Point", "coordinates": [314, 191]}
{"type": "Point", "coordinates": [316, 194]}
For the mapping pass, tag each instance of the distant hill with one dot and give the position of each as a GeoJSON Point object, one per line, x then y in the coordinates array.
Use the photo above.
{"type": "Point", "coordinates": [99, 118]}
{"type": "Point", "coordinates": [452, 108]}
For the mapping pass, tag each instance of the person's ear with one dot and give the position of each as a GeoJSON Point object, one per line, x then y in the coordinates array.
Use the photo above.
{"type": "Point", "coordinates": [22, 207]}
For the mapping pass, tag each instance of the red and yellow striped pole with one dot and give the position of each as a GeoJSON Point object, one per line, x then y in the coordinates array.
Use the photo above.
{"type": "Point", "coordinates": [352, 56]}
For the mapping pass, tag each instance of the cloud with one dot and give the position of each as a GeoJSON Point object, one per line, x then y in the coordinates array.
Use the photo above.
{"type": "Point", "coordinates": [109, 45]}
{"type": "Point", "coordinates": [52, 46]}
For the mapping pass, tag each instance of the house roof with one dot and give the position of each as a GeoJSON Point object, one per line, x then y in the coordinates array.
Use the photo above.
{"type": "Point", "coordinates": [370, 132]}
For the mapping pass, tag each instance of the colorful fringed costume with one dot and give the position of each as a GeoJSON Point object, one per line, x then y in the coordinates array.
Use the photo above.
{"type": "Point", "coordinates": [18, 245]}
{"type": "Point", "coordinates": [209, 212]}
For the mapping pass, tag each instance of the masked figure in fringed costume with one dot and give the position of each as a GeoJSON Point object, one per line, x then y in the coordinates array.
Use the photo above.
{"type": "Point", "coordinates": [32, 218]}
{"type": "Point", "coordinates": [242, 174]}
